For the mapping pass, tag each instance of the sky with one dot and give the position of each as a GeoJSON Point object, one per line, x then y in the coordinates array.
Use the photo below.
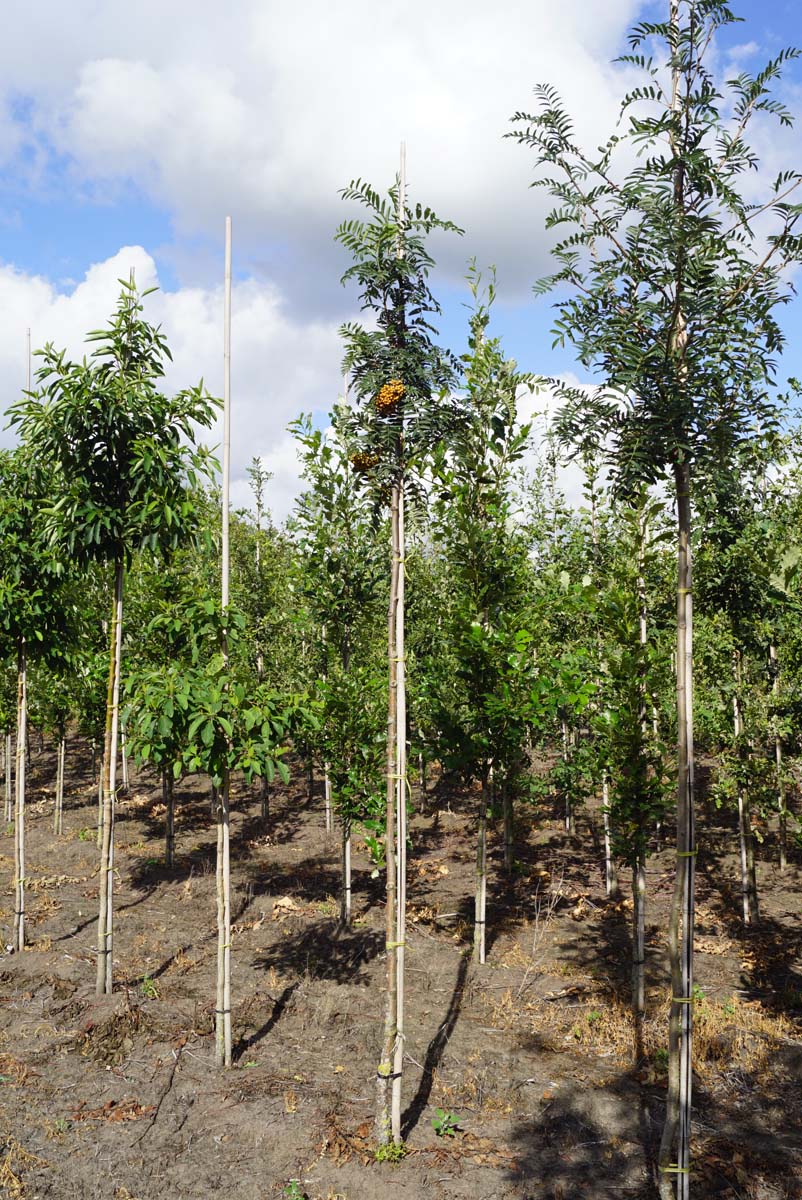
{"type": "Point", "coordinates": [128, 133]}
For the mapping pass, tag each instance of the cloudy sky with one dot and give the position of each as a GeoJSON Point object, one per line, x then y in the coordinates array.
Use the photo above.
{"type": "Point", "coordinates": [128, 132]}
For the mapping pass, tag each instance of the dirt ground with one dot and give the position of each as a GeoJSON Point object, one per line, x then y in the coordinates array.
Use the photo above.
{"type": "Point", "coordinates": [531, 1055]}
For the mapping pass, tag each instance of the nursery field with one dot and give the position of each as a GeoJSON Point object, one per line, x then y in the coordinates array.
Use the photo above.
{"type": "Point", "coordinates": [520, 1077]}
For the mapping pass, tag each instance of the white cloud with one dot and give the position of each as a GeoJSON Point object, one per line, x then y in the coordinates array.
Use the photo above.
{"type": "Point", "coordinates": [280, 367]}
{"type": "Point", "coordinates": [267, 109]}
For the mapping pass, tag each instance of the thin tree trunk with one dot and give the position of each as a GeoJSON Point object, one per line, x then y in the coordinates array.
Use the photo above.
{"type": "Point", "coordinates": [385, 1068]}
{"type": "Point", "coordinates": [19, 823]}
{"type": "Point", "coordinates": [105, 938]}
{"type": "Point", "coordinates": [480, 902]}
{"type": "Point", "coordinates": [310, 779]}
{"type": "Point", "coordinates": [58, 812]}
{"type": "Point", "coordinates": [401, 825]}
{"type": "Point", "coordinates": [509, 826]}
{"type": "Point", "coordinates": [778, 762]}
{"type": "Point", "coordinates": [680, 933]}
{"type": "Point", "coordinates": [569, 812]}
{"type": "Point", "coordinates": [345, 855]}
{"type": "Point", "coordinates": [746, 843]}
{"type": "Point", "coordinates": [265, 790]}
{"type": "Point", "coordinates": [327, 799]}
{"type": "Point", "coordinates": [124, 745]}
{"type": "Point", "coordinates": [639, 949]}
{"type": "Point", "coordinates": [9, 773]}
{"type": "Point", "coordinates": [101, 773]}
{"type": "Point", "coordinates": [169, 817]}
{"type": "Point", "coordinates": [610, 869]}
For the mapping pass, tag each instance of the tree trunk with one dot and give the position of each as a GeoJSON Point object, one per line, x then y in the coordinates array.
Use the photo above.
{"type": "Point", "coordinates": [105, 940]}
{"type": "Point", "coordinates": [570, 826]}
{"type": "Point", "coordinates": [401, 824]}
{"type": "Point", "coordinates": [680, 932]}
{"type": "Point", "coordinates": [746, 843]}
{"type": "Point", "coordinates": [778, 762]}
{"type": "Point", "coordinates": [639, 949]}
{"type": "Point", "coordinates": [223, 1006]}
{"type": "Point", "coordinates": [345, 895]}
{"type": "Point", "coordinates": [101, 773]}
{"type": "Point", "coordinates": [610, 870]}
{"type": "Point", "coordinates": [169, 817]}
{"type": "Point", "coordinates": [385, 1068]}
{"type": "Point", "coordinates": [19, 823]}
{"type": "Point", "coordinates": [124, 745]}
{"type": "Point", "coordinates": [58, 812]}
{"type": "Point", "coordinates": [327, 799]}
{"type": "Point", "coordinates": [509, 826]}
{"type": "Point", "coordinates": [265, 790]}
{"type": "Point", "coordinates": [480, 902]}
{"type": "Point", "coordinates": [9, 773]}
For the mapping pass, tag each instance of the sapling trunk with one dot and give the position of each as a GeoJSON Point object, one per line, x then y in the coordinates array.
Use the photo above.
{"type": "Point", "coordinates": [327, 799]}
{"type": "Point", "coordinates": [569, 815]}
{"type": "Point", "coordinates": [124, 746]}
{"type": "Point", "coordinates": [639, 949]}
{"type": "Point", "coordinates": [385, 1068]}
{"type": "Point", "coordinates": [480, 901]}
{"type": "Point", "coordinates": [610, 869]}
{"type": "Point", "coordinates": [19, 823]}
{"type": "Point", "coordinates": [265, 794]}
{"type": "Point", "coordinates": [509, 826]}
{"type": "Point", "coordinates": [681, 922]}
{"type": "Point", "coordinates": [749, 900]}
{"type": "Point", "coordinates": [778, 763]}
{"type": "Point", "coordinates": [106, 888]}
{"type": "Point", "coordinates": [101, 773]}
{"type": "Point", "coordinates": [169, 816]}
{"type": "Point", "coordinates": [9, 774]}
{"type": "Point", "coordinates": [58, 812]}
{"type": "Point", "coordinates": [401, 825]}
{"type": "Point", "coordinates": [345, 857]}
{"type": "Point", "coordinates": [223, 1045]}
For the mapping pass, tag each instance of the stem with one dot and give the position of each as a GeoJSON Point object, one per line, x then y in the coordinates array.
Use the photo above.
{"type": "Point", "coordinates": [105, 915]}
{"type": "Point", "coordinates": [345, 896]}
{"type": "Point", "coordinates": [19, 825]}
{"type": "Point", "coordinates": [480, 903]}
{"type": "Point", "coordinates": [401, 824]}
{"type": "Point", "coordinates": [169, 819]}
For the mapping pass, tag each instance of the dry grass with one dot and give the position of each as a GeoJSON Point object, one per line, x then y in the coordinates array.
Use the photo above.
{"type": "Point", "coordinates": [14, 1159]}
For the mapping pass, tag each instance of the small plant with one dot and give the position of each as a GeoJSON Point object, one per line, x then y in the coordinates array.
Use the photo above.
{"type": "Point", "coordinates": [391, 1152]}
{"type": "Point", "coordinates": [444, 1123]}
{"type": "Point", "coordinates": [594, 1017]}
{"type": "Point", "coordinates": [661, 1058]}
{"type": "Point", "coordinates": [148, 988]}
{"type": "Point", "coordinates": [293, 1191]}
{"type": "Point", "coordinates": [86, 835]}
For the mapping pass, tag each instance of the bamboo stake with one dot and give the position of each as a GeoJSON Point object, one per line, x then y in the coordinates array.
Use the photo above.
{"type": "Point", "coordinates": [778, 762]}
{"type": "Point", "coordinates": [223, 1007]}
{"type": "Point", "coordinates": [106, 889]}
{"type": "Point", "coordinates": [401, 810]}
{"type": "Point", "coordinates": [58, 812]}
{"type": "Point", "coordinates": [9, 809]}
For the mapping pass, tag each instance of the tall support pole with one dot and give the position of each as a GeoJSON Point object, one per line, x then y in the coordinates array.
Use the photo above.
{"type": "Point", "coordinates": [223, 1005]}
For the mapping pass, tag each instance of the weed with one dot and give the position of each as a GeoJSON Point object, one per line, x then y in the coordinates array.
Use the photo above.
{"type": "Point", "coordinates": [391, 1152]}
{"type": "Point", "coordinates": [148, 988]}
{"type": "Point", "coordinates": [86, 835]}
{"type": "Point", "coordinates": [444, 1123]}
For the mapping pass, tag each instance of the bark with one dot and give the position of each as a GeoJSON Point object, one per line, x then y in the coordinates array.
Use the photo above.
{"type": "Point", "coordinates": [223, 1005]}
{"type": "Point", "coordinates": [265, 791]}
{"type": "Point", "coordinates": [100, 777]}
{"type": "Point", "coordinates": [610, 869]}
{"type": "Point", "coordinates": [345, 856]}
{"type": "Point", "coordinates": [383, 1080]}
{"type": "Point", "coordinates": [401, 824]}
{"type": "Point", "coordinates": [19, 823]}
{"type": "Point", "coordinates": [8, 773]}
{"type": "Point", "coordinates": [124, 745]}
{"type": "Point", "coordinates": [570, 826]}
{"type": "Point", "coordinates": [480, 902]}
{"type": "Point", "coordinates": [746, 844]}
{"type": "Point", "coordinates": [680, 932]}
{"type": "Point", "coordinates": [778, 762]}
{"type": "Point", "coordinates": [105, 938]}
{"type": "Point", "coordinates": [169, 817]}
{"type": "Point", "coordinates": [639, 949]}
{"type": "Point", "coordinates": [327, 799]}
{"type": "Point", "coordinates": [509, 826]}
{"type": "Point", "coordinates": [58, 812]}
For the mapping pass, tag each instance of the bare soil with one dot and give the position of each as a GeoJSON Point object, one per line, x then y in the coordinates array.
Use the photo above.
{"type": "Point", "coordinates": [532, 1055]}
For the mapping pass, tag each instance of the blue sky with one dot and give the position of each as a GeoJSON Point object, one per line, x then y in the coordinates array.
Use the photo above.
{"type": "Point", "coordinates": [143, 129]}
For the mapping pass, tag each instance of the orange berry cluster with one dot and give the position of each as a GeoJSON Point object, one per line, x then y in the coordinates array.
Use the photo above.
{"type": "Point", "coordinates": [389, 396]}
{"type": "Point", "coordinates": [362, 461]}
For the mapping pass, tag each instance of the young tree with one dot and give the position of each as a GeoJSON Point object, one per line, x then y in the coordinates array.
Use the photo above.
{"type": "Point", "coordinates": [673, 278]}
{"type": "Point", "coordinates": [125, 466]}
{"type": "Point", "coordinates": [400, 381]}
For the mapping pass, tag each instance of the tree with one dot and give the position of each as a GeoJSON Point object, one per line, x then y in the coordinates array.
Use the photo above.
{"type": "Point", "coordinates": [400, 380]}
{"type": "Point", "coordinates": [125, 467]}
{"type": "Point", "coordinates": [673, 279]}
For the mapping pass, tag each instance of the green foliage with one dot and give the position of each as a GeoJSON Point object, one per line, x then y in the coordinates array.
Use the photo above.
{"type": "Point", "coordinates": [445, 1124]}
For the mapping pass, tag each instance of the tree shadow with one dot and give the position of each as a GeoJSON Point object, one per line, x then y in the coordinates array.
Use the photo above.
{"type": "Point", "coordinates": [244, 1043]}
{"type": "Point", "coordinates": [323, 951]}
{"type": "Point", "coordinates": [435, 1051]}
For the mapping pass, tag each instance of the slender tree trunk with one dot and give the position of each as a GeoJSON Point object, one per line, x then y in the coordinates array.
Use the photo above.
{"type": "Point", "coordinates": [345, 854]}
{"type": "Point", "coordinates": [124, 745]}
{"type": "Point", "coordinates": [327, 799]}
{"type": "Point", "coordinates": [385, 1068]}
{"type": "Point", "coordinates": [746, 843]}
{"type": "Point", "coordinates": [105, 938]}
{"type": "Point", "coordinates": [401, 825]}
{"type": "Point", "coordinates": [639, 949]}
{"type": "Point", "coordinates": [58, 813]}
{"type": "Point", "coordinates": [101, 773]}
{"type": "Point", "coordinates": [19, 823]}
{"type": "Point", "coordinates": [265, 790]}
{"type": "Point", "coordinates": [778, 762]}
{"type": "Point", "coordinates": [480, 902]}
{"type": "Point", "coordinates": [9, 774]}
{"type": "Point", "coordinates": [310, 779]}
{"type": "Point", "coordinates": [610, 868]}
{"type": "Point", "coordinates": [570, 826]}
{"type": "Point", "coordinates": [169, 816]}
{"type": "Point", "coordinates": [223, 1044]}
{"type": "Point", "coordinates": [680, 933]}
{"type": "Point", "coordinates": [509, 826]}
